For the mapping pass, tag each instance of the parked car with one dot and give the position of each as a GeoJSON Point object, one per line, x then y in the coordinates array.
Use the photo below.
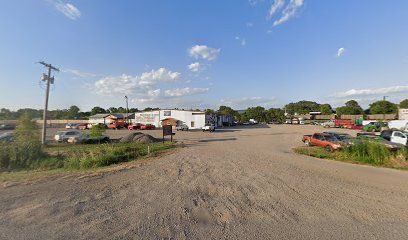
{"type": "Point", "coordinates": [182, 127]}
{"type": "Point", "coordinates": [147, 127]}
{"type": "Point", "coordinates": [71, 126]}
{"type": "Point", "coordinates": [395, 136]}
{"type": "Point", "coordinates": [63, 136]}
{"type": "Point", "coordinates": [208, 127]}
{"type": "Point", "coordinates": [328, 124]}
{"type": "Point", "coordinates": [7, 127]}
{"type": "Point", "coordinates": [7, 137]}
{"type": "Point", "coordinates": [116, 125]}
{"type": "Point", "coordinates": [83, 126]}
{"type": "Point", "coordinates": [327, 141]}
{"type": "Point", "coordinates": [134, 126]}
{"type": "Point", "coordinates": [345, 138]}
{"type": "Point", "coordinates": [374, 138]}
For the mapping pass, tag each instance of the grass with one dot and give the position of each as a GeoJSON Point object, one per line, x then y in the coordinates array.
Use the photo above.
{"type": "Point", "coordinates": [369, 153]}
{"type": "Point", "coordinates": [72, 157]}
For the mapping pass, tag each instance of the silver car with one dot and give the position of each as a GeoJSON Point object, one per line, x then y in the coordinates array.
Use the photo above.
{"type": "Point", "coordinates": [63, 136]}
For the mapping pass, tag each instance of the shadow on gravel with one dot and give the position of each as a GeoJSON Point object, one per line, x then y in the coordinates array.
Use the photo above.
{"type": "Point", "coordinates": [217, 140]}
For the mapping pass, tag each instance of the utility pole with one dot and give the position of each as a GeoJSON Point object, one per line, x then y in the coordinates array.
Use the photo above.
{"type": "Point", "coordinates": [50, 80]}
{"type": "Point", "coordinates": [384, 103]}
{"type": "Point", "coordinates": [127, 110]}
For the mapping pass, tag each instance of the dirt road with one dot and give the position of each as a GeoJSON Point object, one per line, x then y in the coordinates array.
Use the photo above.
{"type": "Point", "coordinates": [235, 184]}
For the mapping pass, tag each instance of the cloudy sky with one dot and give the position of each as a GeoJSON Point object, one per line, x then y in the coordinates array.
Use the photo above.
{"type": "Point", "coordinates": [200, 54]}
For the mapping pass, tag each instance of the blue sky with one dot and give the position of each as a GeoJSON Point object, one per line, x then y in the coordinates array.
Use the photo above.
{"type": "Point", "coordinates": [199, 54]}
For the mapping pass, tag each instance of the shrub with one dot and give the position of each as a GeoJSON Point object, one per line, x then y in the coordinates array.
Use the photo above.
{"type": "Point", "coordinates": [26, 147]}
{"type": "Point", "coordinates": [108, 154]}
{"type": "Point", "coordinates": [96, 131]}
{"type": "Point", "coordinates": [368, 152]}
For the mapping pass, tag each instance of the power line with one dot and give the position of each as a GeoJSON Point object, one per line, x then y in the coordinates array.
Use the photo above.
{"type": "Point", "coordinates": [49, 80]}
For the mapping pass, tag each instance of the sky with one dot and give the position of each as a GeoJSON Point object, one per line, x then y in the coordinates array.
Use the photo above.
{"type": "Point", "coordinates": [203, 54]}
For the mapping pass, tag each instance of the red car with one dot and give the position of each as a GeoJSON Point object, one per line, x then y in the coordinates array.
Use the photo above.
{"type": "Point", "coordinates": [147, 127]}
{"type": "Point", "coordinates": [134, 126]}
{"type": "Point", "coordinates": [117, 125]}
{"type": "Point", "coordinates": [327, 141]}
{"type": "Point", "coordinates": [83, 126]}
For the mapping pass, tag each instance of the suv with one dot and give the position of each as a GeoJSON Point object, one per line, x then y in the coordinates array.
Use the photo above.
{"type": "Point", "coordinates": [182, 127]}
{"type": "Point", "coordinates": [210, 128]}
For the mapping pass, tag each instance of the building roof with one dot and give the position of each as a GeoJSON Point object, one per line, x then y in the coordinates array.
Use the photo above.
{"type": "Point", "coordinates": [99, 115]}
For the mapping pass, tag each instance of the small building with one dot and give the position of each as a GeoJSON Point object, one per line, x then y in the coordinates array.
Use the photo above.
{"type": "Point", "coordinates": [107, 118]}
{"type": "Point", "coordinates": [99, 118]}
{"type": "Point", "coordinates": [174, 117]}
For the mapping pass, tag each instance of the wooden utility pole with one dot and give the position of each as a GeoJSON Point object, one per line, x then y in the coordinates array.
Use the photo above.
{"type": "Point", "coordinates": [49, 80]}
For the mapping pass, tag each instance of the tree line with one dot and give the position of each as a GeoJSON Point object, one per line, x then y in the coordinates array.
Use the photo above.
{"type": "Point", "coordinates": [257, 113]}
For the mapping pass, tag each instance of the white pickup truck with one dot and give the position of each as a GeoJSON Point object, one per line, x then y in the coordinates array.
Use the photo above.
{"type": "Point", "coordinates": [395, 136]}
{"type": "Point", "coordinates": [399, 137]}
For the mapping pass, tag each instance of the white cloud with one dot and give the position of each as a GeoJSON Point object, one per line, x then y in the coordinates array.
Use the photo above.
{"type": "Point", "coordinates": [195, 67]}
{"type": "Point", "coordinates": [123, 84]}
{"type": "Point", "coordinates": [79, 73]}
{"type": "Point", "coordinates": [241, 40]}
{"type": "Point", "coordinates": [254, 2]}
{"type": "Point", "coordinates": [245, 102]}
{"type": "Point", "coordinates": [289, 11]}
{"type": "Point", "coordinates": [180, 92]}
{"type": "Point", "coordinates": [276, 5]}
{"type": "Point", "coordinates": [249, 24]}
{"type": "Point", "coordinates": [204, 52]}
{"type": "Point", "coordinates": [340, 52]}
{"type": "Point", "coordinates": [145, 89]}
{"type": "Point", "coordinates": [127, 84]}
{"type": "Point", "coordinates": [68, 9]}
{"type": "Point", "coordinates": [373, 91]}
{"type": "Point", "coordinates": [159, 75]}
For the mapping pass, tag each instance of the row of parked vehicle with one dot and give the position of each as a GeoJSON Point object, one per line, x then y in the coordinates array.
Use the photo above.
{"type": "Point", "coordinates": [332, 141]}
{"type": "Point", "coordinates": [76, 136]}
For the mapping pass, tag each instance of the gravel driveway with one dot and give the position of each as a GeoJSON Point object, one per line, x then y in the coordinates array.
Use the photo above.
{"type": "Point", "coordinates": [243, 183]}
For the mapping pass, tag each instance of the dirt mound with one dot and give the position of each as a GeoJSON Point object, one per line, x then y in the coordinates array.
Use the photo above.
{"type": "Point", "coordinates": [129, 138]}
{"type": "Point", "coordinates": [144, 138]}
{"type": "Point", "coordinates": [138, 137]}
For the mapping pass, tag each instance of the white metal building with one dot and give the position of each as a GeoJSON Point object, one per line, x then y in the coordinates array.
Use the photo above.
{"type": "Point", "coordinates": [403, 114]}
{"type": "Point", "coordinates": [193, 119]}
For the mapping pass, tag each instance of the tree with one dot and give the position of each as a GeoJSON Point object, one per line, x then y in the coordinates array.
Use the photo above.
{"type": "Point", "coordinates": [209, 111]}
{"type": "Point", "coordinates": [258, 113]}
{"type": "Point", "coordinates": [383, 107]}
{"type": "Point", "coordinates": [6, 114]}
{"type": "Point", "coordinates": [404, 103]}
{"type": "Point", "coordinates": [224, 110]}
{"type": "Point", "coordinates": [276, 115]}
{"type": "Point", "coordinates": [302, 107]}
{"type": "Point", "coordinates": [96, 110]}
{"type": "Point", "coordinates": [351, 108]}
{"type": "Point", "coordinates": [73, 112]}
{"type": "Point", "coordinates": [326, 109]}
{"type": "Point", "coordinates": [112, 110]}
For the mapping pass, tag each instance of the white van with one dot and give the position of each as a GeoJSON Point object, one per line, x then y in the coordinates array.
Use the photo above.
{"type": "Point", "coordinates": [398, 124]}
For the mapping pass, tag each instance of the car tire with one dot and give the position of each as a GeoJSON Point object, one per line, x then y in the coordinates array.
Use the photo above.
{"type": "Point", "coordinates": [307, 143]}
{"type": "Point", "coordinates": [328, 148]}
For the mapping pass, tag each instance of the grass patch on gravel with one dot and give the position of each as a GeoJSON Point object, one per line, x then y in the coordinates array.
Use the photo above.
{"type": "Point", "coordinates": [62, 158]}
{"type": "Point", "coordinates": [368, 153]}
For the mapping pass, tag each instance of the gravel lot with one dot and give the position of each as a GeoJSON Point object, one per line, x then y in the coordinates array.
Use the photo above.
{"type": "Point", "coordinates": [243, 183]}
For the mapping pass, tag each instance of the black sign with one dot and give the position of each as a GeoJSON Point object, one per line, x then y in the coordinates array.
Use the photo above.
{"type": "Point", "coordinates": [167, 130]}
